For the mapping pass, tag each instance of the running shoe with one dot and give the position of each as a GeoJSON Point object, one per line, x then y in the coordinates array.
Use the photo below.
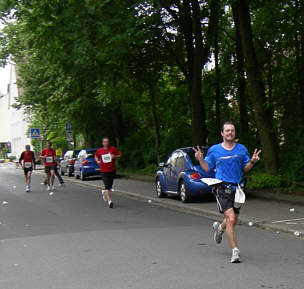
{"type": "Point", "coordinates": [110, 203]}
{"type": "Point", "coordinates": [52, 188]}
{"type": "Point", "coordinates": [61, 185]}
{"type": "Point", "coordinates": [48, 188]}
{"type": "Point", "coordinates": [218, 234]}
{"type": "Point", "coordinates": [235, 255]}
{"type": "Point", "coordinates": [103, 195]}
{"type": "Point", "coordinates": [27, 189]}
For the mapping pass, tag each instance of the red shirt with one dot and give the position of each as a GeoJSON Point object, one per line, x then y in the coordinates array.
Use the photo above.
{"type": "Point", "coordinates": [107, 164]}
{"type": "Point", "coordinates": [50, 154]}
{"type": "Point", "coordinates": [28, 158]}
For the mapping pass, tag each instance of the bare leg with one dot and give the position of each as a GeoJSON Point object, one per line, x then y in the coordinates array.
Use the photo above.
{"type": "Point", "coordinates": [47, 177]}
{"type": "Point", "coordinates": [230, 222]}
{"type": "Point", "coordinates": [108, 194]}
{"type": "Point", "coordinates": [28, 178]}
{"type": "Point", "coordinates": [52, 177]}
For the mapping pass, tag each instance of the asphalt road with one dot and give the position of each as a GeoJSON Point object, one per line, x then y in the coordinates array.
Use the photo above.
{"type": "Point", "coordinates": [72, 240]}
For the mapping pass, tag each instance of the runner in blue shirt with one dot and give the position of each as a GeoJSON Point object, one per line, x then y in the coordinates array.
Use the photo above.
{"type": "Point", "coordinates": [229, 159]}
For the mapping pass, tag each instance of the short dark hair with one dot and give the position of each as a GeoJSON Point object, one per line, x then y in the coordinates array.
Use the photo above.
{"type": "Point", "coordinates": [229, 122]}
{"type": "Point", "coordinates": [48, 142]}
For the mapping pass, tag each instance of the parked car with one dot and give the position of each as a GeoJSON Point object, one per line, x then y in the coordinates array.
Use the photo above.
{"type": "Point", "coordinates": [181, 175]}
{"type": "Point", "coordinates": [85, 164]}
{"type": "Point", "coordinates": [66, 165]}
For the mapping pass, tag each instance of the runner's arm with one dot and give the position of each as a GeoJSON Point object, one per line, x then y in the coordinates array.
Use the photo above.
{"type": "Point", "coordinates": [21, 158]}
{"type": "Point", "coordinates": [96, 159]}
{"type": "Point", "coordinates": [254, 159]}
{"type": "Point", "coordinates": [200, 157]}
{"type": "Point", "coordinates": [42, 155]}
{"type": "Point", "coordinates": [34, 161]}
{"type": "Point", "coordinates": [248, 166]}
{"type": "Point", "coordinates": [116, 154]}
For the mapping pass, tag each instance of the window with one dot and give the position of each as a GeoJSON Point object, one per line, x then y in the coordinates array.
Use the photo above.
{"type": "Point", "coordinates": [172, 159]}
{"type": "Point", "coordinates": [194, 161]}
{"type": "Point", "coordinates": [180, 162]}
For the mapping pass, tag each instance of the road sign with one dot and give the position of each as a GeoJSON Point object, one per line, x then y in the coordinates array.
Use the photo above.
{"type": "Point", "coordinates": [69, 136]}
{"type": "Point", "coordinates": [35, 132]}
{"type": "Point", "coordinates": [68, 127]}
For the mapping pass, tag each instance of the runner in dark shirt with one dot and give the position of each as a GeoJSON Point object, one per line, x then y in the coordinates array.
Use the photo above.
{"type": "Point", "coordinates": [27, 161]}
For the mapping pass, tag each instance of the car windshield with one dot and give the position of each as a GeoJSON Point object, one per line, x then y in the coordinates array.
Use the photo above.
{"type": "Point", "coordinates": [91, 153]}
{"type": "Point", "coordinates": [85, 154]}
{"type": "Point", "coordinates": [194, 161]}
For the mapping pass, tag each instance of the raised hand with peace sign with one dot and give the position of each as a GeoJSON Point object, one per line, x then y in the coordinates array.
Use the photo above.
{"type": "Point", "coordinates": [255, 157]}
{"type": "Point", "coordinates": [200, 157]}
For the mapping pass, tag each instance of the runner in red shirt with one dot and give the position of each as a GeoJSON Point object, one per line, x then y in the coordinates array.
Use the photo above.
{"type": "Point", "coordinates": [48, 154]}
{"type": "Point", "coordinates": [27, 161]}
{"type": "Point", "coordinates": [106, 157]}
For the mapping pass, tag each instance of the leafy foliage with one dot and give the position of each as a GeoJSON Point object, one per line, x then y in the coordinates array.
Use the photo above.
{"type": "Point", "coordinates": [125, 69]}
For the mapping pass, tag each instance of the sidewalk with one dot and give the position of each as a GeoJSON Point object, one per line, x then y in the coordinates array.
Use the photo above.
{"type": "Point", "coordinates": [279, 215]}
{"type": "Point", "coordinates": [275, 215]}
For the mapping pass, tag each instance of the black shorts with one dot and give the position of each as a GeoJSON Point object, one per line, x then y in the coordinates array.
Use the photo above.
{"type": "Point", "coordinates": [47, 169]}
{"type": "Point", "coordinates": [225, 199]}
{"type": "Point", "coordinates": [26, 170]}
{"type": "Point", "coordinates": [108, 179]}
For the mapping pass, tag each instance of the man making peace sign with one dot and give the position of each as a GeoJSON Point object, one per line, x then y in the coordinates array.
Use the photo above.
{"type": "Point", "coordinates": [229, 159]}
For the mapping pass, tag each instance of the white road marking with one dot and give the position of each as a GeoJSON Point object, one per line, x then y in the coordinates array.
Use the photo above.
{"type": "Point", "coordinates": [284, 221]}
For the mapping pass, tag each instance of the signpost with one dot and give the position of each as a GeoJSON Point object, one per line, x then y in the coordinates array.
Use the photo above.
{"type": "Point", "coordinates": [69, 132]}
{"type": "Point", "coordinates": [35, 132]}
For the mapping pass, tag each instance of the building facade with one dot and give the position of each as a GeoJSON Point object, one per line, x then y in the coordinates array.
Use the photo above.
{"type": "Point", "coordinates": [14, 127]}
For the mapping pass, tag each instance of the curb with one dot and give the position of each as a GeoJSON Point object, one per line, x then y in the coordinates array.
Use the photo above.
{"type": "Point", "coordinates": [188, 209]}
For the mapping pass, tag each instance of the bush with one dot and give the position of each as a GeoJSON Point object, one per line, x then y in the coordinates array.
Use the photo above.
{"type": "Point", "coordinates": [264, 180]}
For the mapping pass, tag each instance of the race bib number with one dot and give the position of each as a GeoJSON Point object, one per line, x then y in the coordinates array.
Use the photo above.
{"type": "Point", "coordinates": [27, 165]}
{"type": "Point", "coordinates": [49, 159]}
{"type": "Point", "coordinates": [107, 158]}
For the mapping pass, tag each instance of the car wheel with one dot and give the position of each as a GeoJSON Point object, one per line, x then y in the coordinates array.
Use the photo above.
{"type": "Point", "coordinates": [82, 176]}
{"type": "Point", "coordinates": [183, 194]}
{"type": "Point", "coordinates": [61, 172]}
{"type": "Point", "coordinates": [159, 189]}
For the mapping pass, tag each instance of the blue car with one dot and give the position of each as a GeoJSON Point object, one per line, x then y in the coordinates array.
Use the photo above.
{"type": "Point", "coordinates": [85, 164]}
{"type": "Point", "coordinates": [181, 175]}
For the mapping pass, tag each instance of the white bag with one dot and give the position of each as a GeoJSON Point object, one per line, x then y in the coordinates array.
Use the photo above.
{"type": "Point", "coordinates": [239, 198]}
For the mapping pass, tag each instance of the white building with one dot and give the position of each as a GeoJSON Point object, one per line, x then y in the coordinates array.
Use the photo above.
{"type": "Point", "coordinates": [14, 127]}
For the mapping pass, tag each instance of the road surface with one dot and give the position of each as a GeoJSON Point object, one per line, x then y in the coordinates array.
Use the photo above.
{"type": "Point", "coordinates": [71, 240]}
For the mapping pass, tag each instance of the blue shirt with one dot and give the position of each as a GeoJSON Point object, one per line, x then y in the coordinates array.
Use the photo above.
{"type": "Point", "coordinates": [228, 164]}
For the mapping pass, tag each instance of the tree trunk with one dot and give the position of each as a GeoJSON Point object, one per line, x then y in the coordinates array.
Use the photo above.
{"type": "Point", "coordinates": [241, 82]}
{"type": "Point", "coordinates": [300, 72]}
{"type": "Point", "coordinates": [155, 123]}
{"type": "Point", "coordinates": [217, 82]}
{"type": "Point", "coordinates": [118, 127]}
{"type": "Point", "coordinates": [262, 115]}
{"type": "Point", "coordinates": [196, 56]}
